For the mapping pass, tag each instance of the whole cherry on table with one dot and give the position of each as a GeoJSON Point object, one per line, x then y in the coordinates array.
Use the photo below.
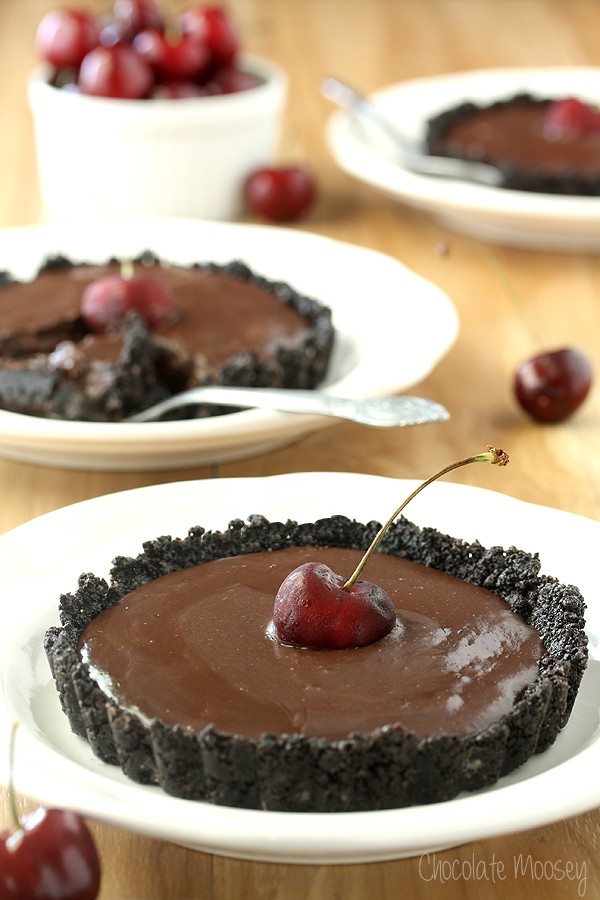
{"type": "Point", "coordinates": [280, 193]}
{"type": "Point", "coordinates": [552, 385]}
{"type": "Point", "coordinates": [49, 854]}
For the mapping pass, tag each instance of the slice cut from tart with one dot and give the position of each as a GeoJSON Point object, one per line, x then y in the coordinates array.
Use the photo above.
{"type": "Point", "coordinates": [229, 325]}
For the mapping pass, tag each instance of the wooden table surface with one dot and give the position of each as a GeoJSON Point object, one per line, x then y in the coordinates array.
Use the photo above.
{"type": "Point", "coordinates": [376, 42]}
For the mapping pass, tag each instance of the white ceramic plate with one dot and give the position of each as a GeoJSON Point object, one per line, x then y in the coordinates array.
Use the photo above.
{"type": "Point", "coordinates": [43, 558]}
{"type": "Point", "coordinates": [392, 328]}
{"type": "Point", "coordinates": [519, 218]}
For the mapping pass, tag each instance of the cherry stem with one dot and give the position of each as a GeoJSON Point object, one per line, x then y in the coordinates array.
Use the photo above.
{"type": "Point", "coordinates": [12, 802]}
{"type": "Point", "coordinates": [509, 289]}
{"type": "Point", "coordinates": [492, 455]}
{"type": "Point", "coordinates": [511, 292]}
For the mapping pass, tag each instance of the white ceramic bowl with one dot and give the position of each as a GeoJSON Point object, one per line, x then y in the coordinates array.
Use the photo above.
{"type": "Point", "coordinates": [183, 158]}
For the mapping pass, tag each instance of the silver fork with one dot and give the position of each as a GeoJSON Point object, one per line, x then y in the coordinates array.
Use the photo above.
{"type": "Point", "coordinates": [379, 411]}
{"type": "Point", "coordinates": [364, 110]}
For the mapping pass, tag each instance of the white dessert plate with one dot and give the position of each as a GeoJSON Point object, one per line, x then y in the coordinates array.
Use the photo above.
{"type": "Point", "coordinates": [392, 327]}
{"type": "Point", "coordinates": [519, 218]}
{"type": "Point", "coordinates": [44, 557]}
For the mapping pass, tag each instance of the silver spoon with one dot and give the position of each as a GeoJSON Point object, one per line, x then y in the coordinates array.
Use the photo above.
{"type": "Point", "coordinates": [365, 111]}
{"type": "Point", "coordinates": [381, 411]}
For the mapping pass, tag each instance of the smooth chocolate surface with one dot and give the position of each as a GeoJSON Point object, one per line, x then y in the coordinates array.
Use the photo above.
{"type": "Point", "coordinates": [194, 647]}
{"type": "Point", "coordinates": [218, 315]}
{"type": "Point", "coordinates": [515, 133]}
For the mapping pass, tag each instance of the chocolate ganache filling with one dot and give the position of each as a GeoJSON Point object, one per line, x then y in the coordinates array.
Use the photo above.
{"type": "Point", "coordinates": [194, 648]}
{"type": "Point", "coordinates": [229, 326]}
{"type": "Point", "coordinates": [516, 132]}
{"type": "Point", "coordinates": [171, 670]}
{"type": "Point", "coordinates": [217, 314]}
{"type": "Point", "coordinates": [513, 135]}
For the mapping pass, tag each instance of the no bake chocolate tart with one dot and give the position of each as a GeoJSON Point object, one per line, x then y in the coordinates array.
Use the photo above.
{"type": "Point", "coordinates": [513, 134]}
{"type": "Point", "coordinates": [172, 671]}
{"type": "Point", "coordinates": [230, 325]}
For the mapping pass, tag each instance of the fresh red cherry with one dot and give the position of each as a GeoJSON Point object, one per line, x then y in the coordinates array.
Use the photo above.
{"type": "Point", "coordinates": [106, 302]}
{"type": "Point", "coordinates": [231, 80]}
{"type": "Point", "coordinates": [214, 27]}
{"type": "Point", "coordinates": [571, 118]}
{"type": "Point", "coordinates": [180, 90]}
{"type": "Point", "coordinates": [65, 35]}
{"type": "Point", "coordinates": [51, 856]}
{"type": "Point", "coordinates": [133, 16]}
{"type": "Point", "coordinates": [316, 608]}
{"type": "Point", "coordinates": [116, 72]}
{"type": "Point", "coordinates": [279, 193]}
{"type": "Point", "coordinates": [552, 385]}
{"type": "Point", "coordinates": [128, 19]}
{"type": "Point", "coordinates": [184, 57]}
{"type": "Point", "coordinates": [312, 609]}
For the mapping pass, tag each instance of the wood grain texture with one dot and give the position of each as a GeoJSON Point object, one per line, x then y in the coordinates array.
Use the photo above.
{"type": "Point", "coordinates": [376, 42]}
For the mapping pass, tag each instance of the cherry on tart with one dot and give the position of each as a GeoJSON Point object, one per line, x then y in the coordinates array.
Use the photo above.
{"type": "Point", "coordinates": [317, 608]}
{"type": "Point", "coordinates": [279, 193]}
{"type": "Point", "coordinates": [106, 302]}
{"type": "Point", "coordinates": [48, 855]}
{"type": "Point", "coordinates": [313, 608]}
{"type": "Point", "coordinates": [551, 386]}
{"type": "Point", "coordinates": [571, 118]}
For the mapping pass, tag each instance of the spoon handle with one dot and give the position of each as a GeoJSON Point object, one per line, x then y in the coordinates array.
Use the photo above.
{"type": "Point", "coordinates": [378, 411]}
{"type": "Point", "coordinates": [351, 99]}
{"type": "Point", "coordinates": [408, 155]}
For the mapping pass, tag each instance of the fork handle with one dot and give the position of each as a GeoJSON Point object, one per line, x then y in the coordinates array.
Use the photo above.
{"type": "Point", "coordinates": [382, 411]}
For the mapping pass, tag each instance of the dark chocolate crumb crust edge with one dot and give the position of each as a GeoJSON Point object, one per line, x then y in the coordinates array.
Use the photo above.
{"type": "Point", "coordinates": [388, 768]}
{"type": "Point", "coordinates": [137, 378]}
{"type": "Point", "coordinates": [539, 180]}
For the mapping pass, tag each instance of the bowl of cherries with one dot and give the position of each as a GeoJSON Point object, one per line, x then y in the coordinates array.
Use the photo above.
{"type": "Point", "coordinates": [138, 115]}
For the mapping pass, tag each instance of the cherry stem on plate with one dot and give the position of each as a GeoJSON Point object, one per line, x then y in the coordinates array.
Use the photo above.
{"type": "Point", "coordinates": [493, 455]}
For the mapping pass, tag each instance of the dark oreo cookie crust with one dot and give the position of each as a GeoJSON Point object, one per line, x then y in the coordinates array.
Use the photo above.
{"type": "Point", "coordinates": [538, 180]}
{"type": "Point", "coordinates": [103, 392]}
{"type": "Point", "coordinates": [38, 379]}
{"type": "Point", "coordinates": [387, 768]}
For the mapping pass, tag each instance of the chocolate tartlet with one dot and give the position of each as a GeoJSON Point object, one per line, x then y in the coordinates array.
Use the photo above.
{"type": "Point", "coordinates": [172, 673]}
{"type": "Point", "coordinates": [230, 326]}
{"type": "Point", "coordinates": [511, 135]}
